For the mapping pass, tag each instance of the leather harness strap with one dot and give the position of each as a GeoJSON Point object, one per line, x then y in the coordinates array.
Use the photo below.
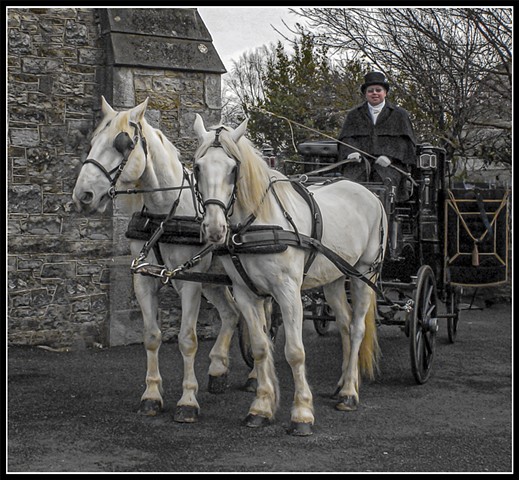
{"type": "Point", "coordinates": [317, 220]}
{"type": "Point", "coordinates": [295, 239]}
{"type": "Point", "coordinates": [317, 230]}
{"type": "Point", "coordinates": [268, 237]}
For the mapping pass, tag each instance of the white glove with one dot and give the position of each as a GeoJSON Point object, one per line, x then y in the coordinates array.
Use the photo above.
{"type": "Point", "coordinates": [383, 161]}
{"type": "Point", "coordinates": [353, 157]}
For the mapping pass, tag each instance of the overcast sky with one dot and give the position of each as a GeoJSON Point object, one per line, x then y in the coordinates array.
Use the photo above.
{"type": "Point", "coordinates": [236, 30]}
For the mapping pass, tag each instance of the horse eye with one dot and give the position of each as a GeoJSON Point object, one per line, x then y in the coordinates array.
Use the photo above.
{"type": "Point", "coordinates": [196, 170]}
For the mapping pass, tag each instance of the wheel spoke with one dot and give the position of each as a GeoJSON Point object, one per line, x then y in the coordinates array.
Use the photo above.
{"type": "Point", "coordinates": [430, 310]}
{"type": "Point", "coordinates": [427, 359]}
{"type": "Point", "coordinates": [428, 294]}
{"type": "Point", "coordinates": [419, 346]}
{"type": "Point", "coordinates": [428, 345]}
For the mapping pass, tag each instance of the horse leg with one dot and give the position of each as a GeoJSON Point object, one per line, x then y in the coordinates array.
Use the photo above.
{"type": "Point", "coordinates": [302, 417]}
{"type": "Point", "coordinates": [187, 407]}
{"type": "Point", "coordinates": [146, 290]}
{"type": "Point", "coordinates": [252, 380]}
{"type": "Point", "coordinates": [222, 299]}
{"type": "Point", "coordinates": [265, 403]}
{"type": "Point", "coordinates": [336, 298]}
{"type": "Point", "coordinates": [363, 346]}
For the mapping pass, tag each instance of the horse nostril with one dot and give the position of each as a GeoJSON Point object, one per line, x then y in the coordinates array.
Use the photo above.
{"type": "Point", "coordinates": [87, 198]}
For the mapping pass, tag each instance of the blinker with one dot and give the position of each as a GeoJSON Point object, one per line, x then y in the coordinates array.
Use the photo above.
{"type": "Point", "coordinates": [123, 144]}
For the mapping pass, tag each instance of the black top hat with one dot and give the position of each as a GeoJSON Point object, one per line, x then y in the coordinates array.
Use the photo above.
{"type": "Point", "coordinates": [374, 78]}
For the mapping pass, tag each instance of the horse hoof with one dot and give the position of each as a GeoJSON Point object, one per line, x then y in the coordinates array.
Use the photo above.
{"type": "Point", "coordinates": [251, 385]}
{"type": "Point", "coordinates": [150, 408]}
{"type": "Point", "coordinates": [217, 384]}
{"type": "Point", "coordinates": [186, 414]}
{"type": "Point", "coordinates": [347, 404]}
{"type": "Point", "coordinates": [255, 421]}
{"type": "Point", "coordinates": [300, 429]}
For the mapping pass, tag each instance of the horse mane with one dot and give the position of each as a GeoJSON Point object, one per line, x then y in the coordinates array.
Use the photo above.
{"type": "Point", "coordinates": [255, 179]}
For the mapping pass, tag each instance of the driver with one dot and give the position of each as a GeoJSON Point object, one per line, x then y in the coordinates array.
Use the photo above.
{"type": "Point", "coordinates": [384, 131]}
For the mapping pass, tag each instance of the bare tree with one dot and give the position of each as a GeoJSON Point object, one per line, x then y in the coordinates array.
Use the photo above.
{"type": "Point", "coordinates": [495, 25]}
{"type": "Point", "coordinates": [442, 62]}
{"type": "Point", "coordinates": [245, 83]}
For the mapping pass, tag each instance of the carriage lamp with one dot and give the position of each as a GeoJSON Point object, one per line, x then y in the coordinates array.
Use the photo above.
{"type": "Point", "coordinates": [427, 159]}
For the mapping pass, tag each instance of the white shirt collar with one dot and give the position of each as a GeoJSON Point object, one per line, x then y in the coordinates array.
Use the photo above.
{"type": "Point", "coordinates": [375, 110]}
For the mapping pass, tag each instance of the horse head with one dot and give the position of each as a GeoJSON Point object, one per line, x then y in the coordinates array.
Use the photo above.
{"type": "Point", "coordinates": [216, 169]}
{"type": "Point", "coordinates": [117, 152]}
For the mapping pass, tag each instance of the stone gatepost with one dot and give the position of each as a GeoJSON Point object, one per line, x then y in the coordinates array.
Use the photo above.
{"type": "Point", "coordinates": [165, 55]}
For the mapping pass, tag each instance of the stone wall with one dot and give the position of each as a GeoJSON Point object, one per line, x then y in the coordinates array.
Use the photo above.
{"type": "Point", "coordinates": [68, 276]}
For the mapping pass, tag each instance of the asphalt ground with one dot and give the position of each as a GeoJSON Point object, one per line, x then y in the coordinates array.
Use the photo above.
{"type": "Point", "coordinates": [76, 411]}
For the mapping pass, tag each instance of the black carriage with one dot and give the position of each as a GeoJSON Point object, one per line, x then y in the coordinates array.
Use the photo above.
{"type": "Point", "coordinates": [443, 237]}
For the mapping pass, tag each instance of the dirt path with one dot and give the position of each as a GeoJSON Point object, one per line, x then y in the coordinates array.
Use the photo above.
{"type": "Point", "coordinates": [76, 411]}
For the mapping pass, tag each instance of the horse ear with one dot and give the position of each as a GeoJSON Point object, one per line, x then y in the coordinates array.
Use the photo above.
{"type": "Point", "coordinates": [105, 107]}
{"type": "Point", "coordinates": [137, 113]}
{"type": "Point", "coordinates": [199, 127]}
{"type": "Point", "coordinates": [240, 130]}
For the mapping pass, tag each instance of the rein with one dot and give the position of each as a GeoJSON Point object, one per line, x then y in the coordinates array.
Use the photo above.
{"type": "Point", "coordinates": [293, 238]}
{"type": "Point", "coordinates": [337, 164]}
{"type": "Point", "coordinates": [125, 146]}
{"type": "Point", "coordinates": [242, 237]}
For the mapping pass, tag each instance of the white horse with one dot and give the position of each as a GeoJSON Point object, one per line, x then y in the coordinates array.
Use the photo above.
{"type": "Point", "coordinates": [237, 187]}
{"type": "Point", "coordinates": [126, 150]}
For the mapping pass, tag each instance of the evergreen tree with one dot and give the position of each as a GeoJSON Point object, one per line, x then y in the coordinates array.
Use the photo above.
{"type": "Point", "coordinates": [306, 87]}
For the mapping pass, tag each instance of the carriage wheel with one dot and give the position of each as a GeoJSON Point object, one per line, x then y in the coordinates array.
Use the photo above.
{"type": "Point", "coordinates": [423, 325]}
{"type": "Point", "coordinates": [453, 308]}
{"type": "Point", "coordinates": [322, 309]}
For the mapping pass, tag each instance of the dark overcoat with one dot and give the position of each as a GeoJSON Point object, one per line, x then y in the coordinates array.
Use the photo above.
{"type": "Point", "coordinates": [392, 135]}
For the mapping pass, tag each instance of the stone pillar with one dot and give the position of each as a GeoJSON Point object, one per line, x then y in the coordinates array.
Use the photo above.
{"type": "Point", "coordinates": [165, 55]}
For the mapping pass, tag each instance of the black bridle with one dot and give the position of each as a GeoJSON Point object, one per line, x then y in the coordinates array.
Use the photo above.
{"type": "Point", "coordinates": [227, 208]}
{"type": "Point", "coordinates": [124, 144]}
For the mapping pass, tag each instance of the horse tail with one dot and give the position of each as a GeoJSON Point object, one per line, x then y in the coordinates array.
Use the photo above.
{"type": "Point", "coordinates": [369, 352]}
